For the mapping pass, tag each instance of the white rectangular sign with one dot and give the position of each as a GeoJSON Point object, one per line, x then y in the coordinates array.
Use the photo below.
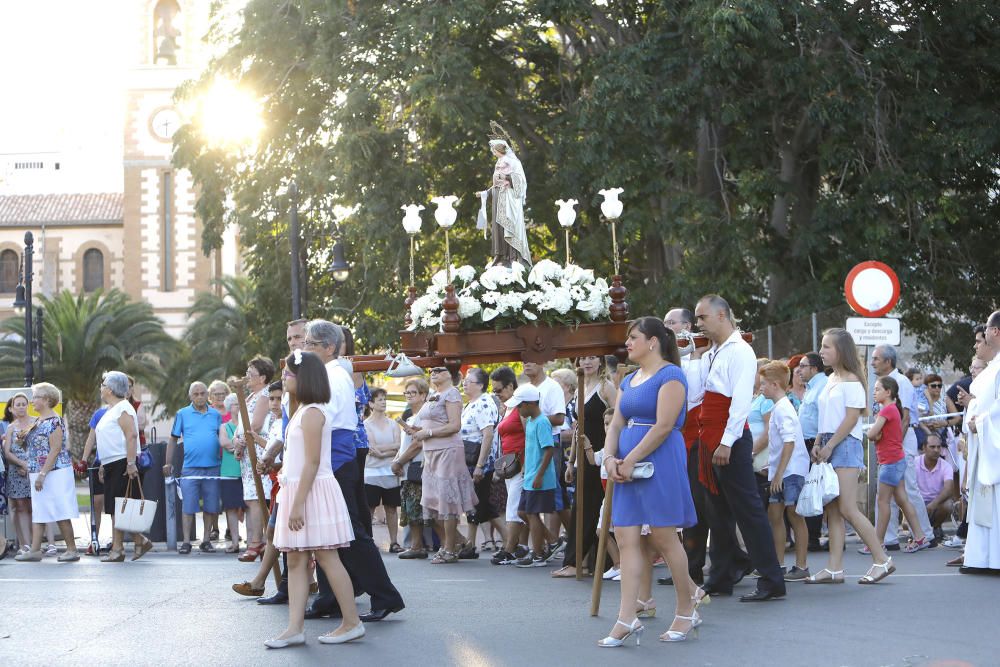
{"type": "Point", "coordinates": [874, 330]}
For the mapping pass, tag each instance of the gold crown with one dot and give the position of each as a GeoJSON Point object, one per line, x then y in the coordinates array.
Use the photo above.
{"type": "Point", "coordinates": [497, 133]}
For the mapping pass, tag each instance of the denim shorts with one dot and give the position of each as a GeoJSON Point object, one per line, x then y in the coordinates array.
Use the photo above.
{"type": "Point", "coordinates": [848, 454]}
{"type": "Point", "coordinates": [789, 494]}
{"type": "Point", "coordinates": [195, 490]}
{"type": "Point", "coordinates": [891, 474]}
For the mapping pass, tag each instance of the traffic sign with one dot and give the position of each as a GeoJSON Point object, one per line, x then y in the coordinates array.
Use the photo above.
{"type": "Point", "coordinates": [872, 289]}
{"type": "Point", "coordinates": [874, 330]}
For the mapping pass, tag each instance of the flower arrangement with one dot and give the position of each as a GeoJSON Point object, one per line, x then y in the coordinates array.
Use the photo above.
{"type": "Point", "coordinates": [501, 297]}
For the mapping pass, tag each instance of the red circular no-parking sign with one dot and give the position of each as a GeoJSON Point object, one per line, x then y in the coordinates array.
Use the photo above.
{"type": "Point", "coordinates": [872, 289]}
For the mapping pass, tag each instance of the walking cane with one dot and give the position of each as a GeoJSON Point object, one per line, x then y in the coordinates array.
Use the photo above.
{"type": "Point", "coordinates": [581, 461]}
{"type": "Point", "coordinates": [251, 444]}
{"type": "Point", "coordinates": [602, 550]}
{"type": "Point", "coordinates": [95, 546]}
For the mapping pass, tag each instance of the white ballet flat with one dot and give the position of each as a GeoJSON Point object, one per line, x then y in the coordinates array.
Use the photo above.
{"type": "Point", "coordinates": [294, 640]}
{"type": "Point", "coordinates": [357, 632]}
{"type": "Point", "coordinates": [635, 629]}
{"type": "Point", "coordinates": [678, 636]}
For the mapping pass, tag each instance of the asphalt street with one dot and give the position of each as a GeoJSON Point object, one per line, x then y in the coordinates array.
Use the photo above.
{"type": "Point", "coordinates": [169, 609]}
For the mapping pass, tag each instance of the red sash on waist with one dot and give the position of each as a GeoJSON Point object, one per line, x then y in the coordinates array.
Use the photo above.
{"type": "Point", "coordinates": [691, 427]}
{"type": "Point", "coordinates": [712, 420]}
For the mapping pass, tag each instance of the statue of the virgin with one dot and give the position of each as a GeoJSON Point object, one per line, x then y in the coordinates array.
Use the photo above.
{"type": "Point", "coordinates": [509, 190]}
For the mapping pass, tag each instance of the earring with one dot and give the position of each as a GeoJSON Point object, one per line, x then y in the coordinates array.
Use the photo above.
{"type": "Point", "coordinates": [650, 348]}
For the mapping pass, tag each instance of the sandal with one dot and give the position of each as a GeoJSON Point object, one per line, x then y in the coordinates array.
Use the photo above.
{"type": "Point", "coordinates": [233, 549]}
{"type": "Point", "coordinates": [913, 546]}
{"type": "Point", "coordinates": [394, 548]}
{"type": "Point", "coordinates": [565, 572]}
{"type": "Point", "coordinates": [833, 578]}
{"type": "Point", "coordinates": [444, 558]}
{"type": "Point", "coordinates": [410, 554]}
{"type": "Point", "coordinates": [246, 588]}
{"type": "Point", "coordinates": [252, 554]}
{"type": "Point", "coordinates": [957, 561]}
{"type": "Point", "coordinates": [114, 557]}
{"type": "Point", "coordinates": [647, 611]}
{"type": "Point", "coordinates": [487, 545]}
{"type": "Point", "coordinates": [700, 597]}
{"type": "Point", "coordinates": [885, 569]}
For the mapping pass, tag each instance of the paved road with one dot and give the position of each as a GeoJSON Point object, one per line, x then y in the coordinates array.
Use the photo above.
{"type": "Point", "coordinates": [169, 609]}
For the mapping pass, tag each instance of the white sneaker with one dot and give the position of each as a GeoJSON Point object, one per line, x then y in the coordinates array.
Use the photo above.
{"type": "Point", "coordinates": [954, 542]}
{"type": "Point", "coordinates": [612, 573]}
{"type": "Point", "coordinates": [617, 577]}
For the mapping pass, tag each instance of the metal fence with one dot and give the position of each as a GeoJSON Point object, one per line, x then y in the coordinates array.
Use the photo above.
{"type": "Point", "coordinates": [780, 341]}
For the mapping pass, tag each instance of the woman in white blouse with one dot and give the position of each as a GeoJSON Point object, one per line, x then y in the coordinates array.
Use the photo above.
{"type": "Point", "coordinates": [843, 401]}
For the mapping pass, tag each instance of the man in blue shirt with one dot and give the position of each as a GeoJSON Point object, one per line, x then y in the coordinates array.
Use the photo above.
{"type": "Point", "coordinates": [197, 426]}
{"type": "Point", "coordinates": [540, 483]}
{"type": "Point", "coordinates": [814, 377]}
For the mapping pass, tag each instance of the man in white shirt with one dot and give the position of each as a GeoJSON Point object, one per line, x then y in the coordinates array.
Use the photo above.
{"type": "Point", "coordinates": [982, 546]}
{"type": "Point", "coordinates": [362, 558]}
{"type": "Point", "coordinates": [726, 374]}
{"type": "Point", "coordinates": [884, 361]}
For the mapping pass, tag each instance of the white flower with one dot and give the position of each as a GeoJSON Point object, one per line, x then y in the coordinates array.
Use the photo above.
{"type": "Point", "coordinates": [468, 307]}
{"type": "Point", "coordinates": [529, 315]}
{"type": "Point", "coordinates": [544, 270]}
{"type": "Point", "coordinates": [489, 314]}
{"type": "Point", "coordinates": [428, 303]}
{"type": "Point", "coordinates": [464, 273]}
{"type": "Point", "coordinates": [557, 299]}
{"type": "Point", "coordinates": [490, 297]}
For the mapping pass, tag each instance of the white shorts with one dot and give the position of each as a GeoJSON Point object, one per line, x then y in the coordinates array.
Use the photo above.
{"type": "Point", "coordinates": [515, 485]}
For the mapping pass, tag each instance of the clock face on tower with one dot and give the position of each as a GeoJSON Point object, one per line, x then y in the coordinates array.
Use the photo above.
{"type": "Point", "coordinates": [164, 122]}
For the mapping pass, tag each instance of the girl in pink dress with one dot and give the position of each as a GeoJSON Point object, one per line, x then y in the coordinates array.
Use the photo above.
{"type": "Point", "coordinates": [312, 515]}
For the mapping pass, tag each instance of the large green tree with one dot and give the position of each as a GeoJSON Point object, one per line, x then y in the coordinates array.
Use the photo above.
{"type": "Point", "coordinates": [84, 336]}
{"type": "Point", "coordinates": [765, 146]}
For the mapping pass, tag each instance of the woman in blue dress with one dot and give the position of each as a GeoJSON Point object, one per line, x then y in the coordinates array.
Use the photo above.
{"type": "Point", "coordinates": [646, 428]}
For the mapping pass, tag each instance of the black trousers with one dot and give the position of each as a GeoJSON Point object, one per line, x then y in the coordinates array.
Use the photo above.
{"type": "Point", "coordinates": [362, 558]}
{"type": "Point", "coordinates": [813, 523]}
{"type": "Point", "coordinates": [696, 537]}
{"type": "Point", "coordinates": [738, 504]}
{"type": "Point", "coordinates": [361, 498]}
{"type": "Point", "coordinates": [593, 497]}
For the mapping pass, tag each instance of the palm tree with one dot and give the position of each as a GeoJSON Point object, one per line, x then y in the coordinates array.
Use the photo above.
{"type": "Point", "coordinates": [219, 335]}
{"type": "Point", "coordinates": [85, 336]}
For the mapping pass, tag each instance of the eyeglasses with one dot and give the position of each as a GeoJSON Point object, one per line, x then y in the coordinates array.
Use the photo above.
{"type": "Point", "coordinates": [936, 385]}
{"type": "Point", "coordinates": [410, 393]}
{"type": "Point", "coordinates": [439, 369]}
{"type": "Point", "coordinates": [312, 343]}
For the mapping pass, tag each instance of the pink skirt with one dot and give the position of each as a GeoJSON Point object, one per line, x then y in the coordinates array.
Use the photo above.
{"type": "Point", "coordinates": [447, 485]}
{"type": "Point", "coordinates": [327, 522]}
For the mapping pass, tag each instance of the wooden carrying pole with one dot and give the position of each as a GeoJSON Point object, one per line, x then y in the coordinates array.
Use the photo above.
{"type": "Point", "coordinates": [602, 550]}
{"type": "Point", "coordinates": [251, 445]}
{"type": "Point", "coordinates": [581, 463]}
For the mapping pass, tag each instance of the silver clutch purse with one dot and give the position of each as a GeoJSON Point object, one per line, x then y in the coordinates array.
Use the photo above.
{"type": "Point", "coordinates": [642, 470]}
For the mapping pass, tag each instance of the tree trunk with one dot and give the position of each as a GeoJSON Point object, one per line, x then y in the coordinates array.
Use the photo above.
{"type": "Point", "coordinates": [78, 414]}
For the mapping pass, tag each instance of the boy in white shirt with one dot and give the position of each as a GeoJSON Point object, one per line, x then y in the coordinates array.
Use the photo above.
{"type": "Point", "coordinates": [788, 465]}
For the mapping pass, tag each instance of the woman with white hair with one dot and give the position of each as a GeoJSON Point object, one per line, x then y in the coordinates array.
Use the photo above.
{"type": "Point", "coordinates": [231, 485]}
{"type": "Point", "coordinates": [118, 449]}
{"type": "Point", "coordinates": [50, 473]}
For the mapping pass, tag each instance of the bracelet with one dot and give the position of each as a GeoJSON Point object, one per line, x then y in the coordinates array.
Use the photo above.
{"type": "Point", "coordinates": [479, 465]}
{"type": "Point", "coordinates": [131, 463]}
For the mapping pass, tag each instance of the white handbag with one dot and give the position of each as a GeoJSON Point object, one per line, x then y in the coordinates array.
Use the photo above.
{"type": "Point", "coordinates": [134, 515]}
{"type": "Point", "coordinates": [831, 484]}
{"type": "Point", "coordinates": [810, 501]}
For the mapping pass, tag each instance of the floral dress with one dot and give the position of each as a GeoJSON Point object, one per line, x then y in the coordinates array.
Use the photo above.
{"type": "Point", "coordinates": [18, 485]}
{"type": "Point", "coordinates": [38, 445]}
{"type": "Point", "coordinates": [246, 471]}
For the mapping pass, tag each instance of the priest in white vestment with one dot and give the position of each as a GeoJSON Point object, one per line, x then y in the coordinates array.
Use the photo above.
{"type": "Point", "coordinates": [982, 546]}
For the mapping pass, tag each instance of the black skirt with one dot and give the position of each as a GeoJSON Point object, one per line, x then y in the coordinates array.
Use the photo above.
{"type": "Point", "coordinates": [116, 483]}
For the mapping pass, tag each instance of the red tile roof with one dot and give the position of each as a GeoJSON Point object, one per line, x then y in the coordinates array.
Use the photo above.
{"type": "Point", "coordinates": [73, 209]}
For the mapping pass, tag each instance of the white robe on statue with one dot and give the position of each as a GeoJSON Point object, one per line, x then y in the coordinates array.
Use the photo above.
{"type": "Point", "coordinates": [982, 546]}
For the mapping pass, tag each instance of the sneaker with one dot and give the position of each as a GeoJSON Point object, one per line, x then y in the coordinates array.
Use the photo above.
{"type": "Point", "coordinates": [531, 560]}
{"type": "Point", "coordinates": [954, 542]}
{"type": "Point", "coordinates": [51, 550]}
{"type": "Point", "coordinates": [468, 553]}
{"type": "Point", "coordinates": [612, 573]}
{"type": "Point", "coordinates": [617, 577]}
{"type": "Point", "coordinates": [554, 552]}
{"type": "Point", "coordinates": [797, 574]}
{"type": "Point", "coordinates": [520, 551]}
{"type": "Point", "coordinates": [560, 544]}
{"type": "Point", "coordinates": [502, 557]}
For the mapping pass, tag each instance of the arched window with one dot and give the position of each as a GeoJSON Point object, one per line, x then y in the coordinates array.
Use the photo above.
{"type": "Point", "coordinates": [93, 270]}
{"type": "Point", "coordinates": [9, 264]}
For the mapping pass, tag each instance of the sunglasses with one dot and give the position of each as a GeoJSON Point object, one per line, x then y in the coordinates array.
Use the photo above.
{"type": "Point", "coordinates": [936, 385]}
{"type": "Point", "coordinates": [439, 369]}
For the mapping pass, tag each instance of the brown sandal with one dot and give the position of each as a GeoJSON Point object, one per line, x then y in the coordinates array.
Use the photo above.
{"type": "Point", "coordinates": [142, 549]}
{"type": "Point", "coordinates": [444, 557]}
{"type": "Point", "coordinates": [884, 570]}
{"type": "Point", "coordinates": [246, 588]}
{"type": "Point", "coordinates": [114, 557]}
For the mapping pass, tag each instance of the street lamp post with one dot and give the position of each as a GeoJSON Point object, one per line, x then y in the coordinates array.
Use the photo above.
{"type": "Point", "coordinates": [39, 342]}
{"type": "Point", "coordinates": [293, 241]}
{"type": "Point", "coordinates": [22, 299]}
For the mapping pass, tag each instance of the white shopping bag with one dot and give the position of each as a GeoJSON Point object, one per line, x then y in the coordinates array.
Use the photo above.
{"type": "Point", "coordinates": [831, 485]}
{"type": "Point", "coordinates": [810, 501]}
{"type": "Point", "coordinates": [132, 515]}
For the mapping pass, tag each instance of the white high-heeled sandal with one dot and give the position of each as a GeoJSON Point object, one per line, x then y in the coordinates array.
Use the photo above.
{"type": "Point", "coordinates": [646, 611]}
{"type": "Point", "coordinates": [705, 598]}
{"type": "Point", "coordinates": [635, 628]}
{"type": "Point", "coordinates": [677, 635]}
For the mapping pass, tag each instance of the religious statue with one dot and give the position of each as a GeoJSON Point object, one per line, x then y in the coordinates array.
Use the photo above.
{"type": "Point", "coordinates": [509, 191]}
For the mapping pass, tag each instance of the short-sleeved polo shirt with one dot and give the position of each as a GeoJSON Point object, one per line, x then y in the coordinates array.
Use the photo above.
{"type": "Point", "coordinates": [200, 433]}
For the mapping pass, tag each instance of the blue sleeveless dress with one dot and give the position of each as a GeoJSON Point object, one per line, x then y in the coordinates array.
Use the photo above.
{"type": "Point", "coordinates": [664, 499]}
